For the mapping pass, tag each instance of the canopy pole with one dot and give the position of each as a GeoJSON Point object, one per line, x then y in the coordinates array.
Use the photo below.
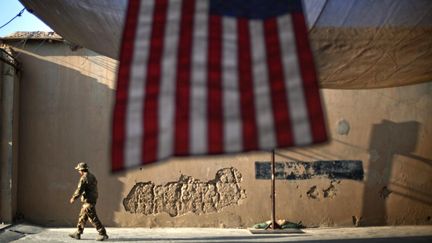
{"type": "Point", "coordinates": [273, 201]}
{"type": "Point", "coordinates": [273, 223]}
{"type": "Point", "coordinates": [273, 227]}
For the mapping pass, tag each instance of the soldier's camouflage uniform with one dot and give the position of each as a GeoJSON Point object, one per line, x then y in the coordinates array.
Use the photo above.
{"type": "Point", "coordinates": [87, 189]}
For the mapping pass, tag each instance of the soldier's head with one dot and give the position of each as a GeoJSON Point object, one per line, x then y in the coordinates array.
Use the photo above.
{"type": "Point", "coordinates": [81, 167]}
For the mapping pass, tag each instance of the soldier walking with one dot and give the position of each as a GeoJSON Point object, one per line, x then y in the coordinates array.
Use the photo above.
{"type": "Point", "coordinates": [87, 189]}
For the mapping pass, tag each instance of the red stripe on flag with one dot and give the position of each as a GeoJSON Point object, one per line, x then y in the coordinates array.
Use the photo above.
{"type": "Point", "coordinates": [310, 80]}
{"type": "Point", "coordinates": [282, 121]}
{"type": "Point", "coordinates": [214, 102]}
{"type": "Point", "coordinates": [126, 54]}
{"type": "Point", "coordinates": [183, 78]}
{"type": "Point", "coordinates": [249, 126]}
{"type": "Point", "coordinates": [152, 88]}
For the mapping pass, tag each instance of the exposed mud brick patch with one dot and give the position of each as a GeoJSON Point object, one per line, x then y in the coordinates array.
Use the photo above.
{"type": "Point", "coordinates": [323, 193]}
{"type": "Point", "coordinates": [187, 195]}
{"type": "Point", "coordinates": [357, 220]}
{"type": "Point", "coordinates": [384, 192]}
{"type": "Point", "coordinates": [143, 198]}
{"type": "Point", "coordinates": [312, 193]}
{"type": "Point", "coordinates": [330, 191]}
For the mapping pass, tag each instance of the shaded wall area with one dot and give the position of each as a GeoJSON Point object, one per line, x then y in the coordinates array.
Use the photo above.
{"type": "Point", "coordinates": [9, 113]}
{"type": "Point", "coordinates": [65, 107]}
{"type": "Point", "coordinates": [65, 117]}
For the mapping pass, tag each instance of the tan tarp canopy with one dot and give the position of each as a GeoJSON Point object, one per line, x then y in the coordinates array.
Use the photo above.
{"type": "Point", "coordinates": [357, 43]}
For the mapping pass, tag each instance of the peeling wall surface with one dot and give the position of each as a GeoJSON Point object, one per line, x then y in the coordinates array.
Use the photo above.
{"type": "Point", "coordinates": [65, 117]}
{"type": "Point", "coordinates": [186, 195]}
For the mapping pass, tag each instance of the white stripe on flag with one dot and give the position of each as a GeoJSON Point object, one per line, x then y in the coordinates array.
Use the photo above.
{"type": "Point", "coordinates": [293, 83]}
{"type": "Point", "coordinates": [198, 104]}
{"type": "Point", "coordinates": [263, 107]}
{"type": "Point", "coordinates": [231, 98]}
{"type": "Point", "coordinates": [168, 76]}
{"type": "Point", "coordinates": [134, 116]}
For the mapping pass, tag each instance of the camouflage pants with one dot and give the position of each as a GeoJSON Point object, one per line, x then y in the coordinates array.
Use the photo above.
{"type": "Point", "coordinates": [88, 212]}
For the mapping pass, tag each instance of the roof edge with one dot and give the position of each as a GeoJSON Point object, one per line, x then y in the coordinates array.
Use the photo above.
{"type": "Point", "coordinates": [33, 35]}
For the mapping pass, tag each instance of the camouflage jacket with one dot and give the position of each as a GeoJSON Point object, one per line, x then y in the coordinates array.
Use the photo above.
{"type": "Point", "coordinates": [87, 188]}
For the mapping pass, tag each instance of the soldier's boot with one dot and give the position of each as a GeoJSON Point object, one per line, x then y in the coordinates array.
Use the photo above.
{"type": "Point", "coordinates": [102, 237]}
{"type": "Point", "coordinates": [75, 235]}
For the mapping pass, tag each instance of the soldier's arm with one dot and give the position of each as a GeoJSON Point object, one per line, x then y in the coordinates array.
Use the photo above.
{"type": "Point", "coordinates": [80, 189]}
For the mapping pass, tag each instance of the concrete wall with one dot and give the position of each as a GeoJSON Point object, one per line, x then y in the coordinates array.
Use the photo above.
{"type": "Point", "coordinates": [65, 117]}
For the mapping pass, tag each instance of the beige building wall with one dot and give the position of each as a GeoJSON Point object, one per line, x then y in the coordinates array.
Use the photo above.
{"type": "Point", "coordinates": [65, 117]}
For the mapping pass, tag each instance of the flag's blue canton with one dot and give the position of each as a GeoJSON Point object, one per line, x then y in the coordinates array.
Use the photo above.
{"type": "Point", "coordinates": [254, 9]}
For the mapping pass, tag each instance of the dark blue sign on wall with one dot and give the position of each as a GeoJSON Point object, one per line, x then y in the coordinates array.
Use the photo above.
{"type": "Point", "coordinates": [300, 170]}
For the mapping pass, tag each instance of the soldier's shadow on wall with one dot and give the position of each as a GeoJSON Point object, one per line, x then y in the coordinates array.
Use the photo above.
{"type": "Point", "coordinates": [65, 117]}
{"type": "Point", "coordinates": [388, 139]}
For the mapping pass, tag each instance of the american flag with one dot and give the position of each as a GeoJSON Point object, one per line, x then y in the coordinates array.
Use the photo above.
{"type": "Point", "coordinates": [201, 77]}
